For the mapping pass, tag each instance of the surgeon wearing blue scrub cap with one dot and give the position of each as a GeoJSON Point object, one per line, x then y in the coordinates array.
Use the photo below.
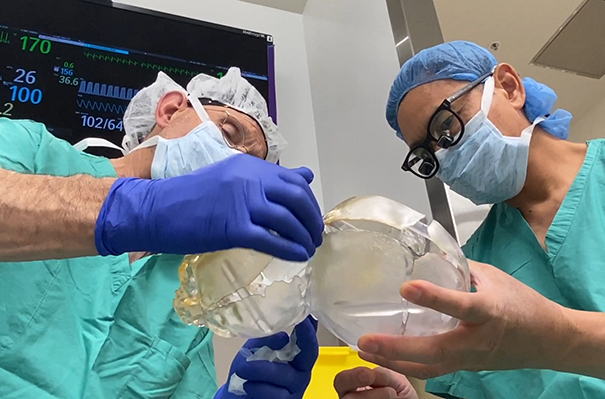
{"type": "Point", "coordinates": [466, 170]}
{"type": "Point", "coordinates": [467, 62]}
{"type": "Point", "coordinates": [495, 138]}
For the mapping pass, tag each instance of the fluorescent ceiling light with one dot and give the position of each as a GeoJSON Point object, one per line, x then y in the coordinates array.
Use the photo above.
{"type": "Point", "coordinates": [405, 39]}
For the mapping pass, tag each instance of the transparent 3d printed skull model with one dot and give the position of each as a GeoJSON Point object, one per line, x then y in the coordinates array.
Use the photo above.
{"type": "Point", "coordinates": [241, 292]}
{"type": "Point", "coordinates": [372, 245]}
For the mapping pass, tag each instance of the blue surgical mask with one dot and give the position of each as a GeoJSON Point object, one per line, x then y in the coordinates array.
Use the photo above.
{"type": "Point", "coordinates": [486, 166]}
{"type": "Point", "coordinates": [203, 146]}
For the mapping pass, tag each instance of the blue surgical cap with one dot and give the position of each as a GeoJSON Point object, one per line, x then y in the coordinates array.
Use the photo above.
{"type": "Point", "coordinates": [466, 61]}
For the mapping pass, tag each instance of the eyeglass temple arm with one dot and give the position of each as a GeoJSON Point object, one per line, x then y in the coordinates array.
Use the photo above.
{"type": "Point", "coordinates": [468, 88]}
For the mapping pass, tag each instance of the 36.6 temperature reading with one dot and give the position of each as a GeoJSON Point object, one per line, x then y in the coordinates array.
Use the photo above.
{"type": "Point", "coordinates": [102, 123]}
{"type": "Point", "coordinates": [66, 80]}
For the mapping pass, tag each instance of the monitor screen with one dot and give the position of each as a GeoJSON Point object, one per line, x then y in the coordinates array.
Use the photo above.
{"type": "Point", "coordinates": [75, 64]}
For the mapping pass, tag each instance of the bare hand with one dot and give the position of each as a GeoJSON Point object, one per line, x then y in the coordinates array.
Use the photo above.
{"type": "Point", "coordinates": [380, 383]}
{"type": "Point", "coordinates": [505, 325]}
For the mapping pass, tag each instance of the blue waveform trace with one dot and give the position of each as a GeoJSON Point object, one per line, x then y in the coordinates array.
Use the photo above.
{"type": "Point", "coordinates": [83, 44]}
{"type": "Point", "coordinates": [104, 90]}
{"type": "Point", "coordinates": [101, 106]}
{"type": "Point", "coordinates": [254, 76]}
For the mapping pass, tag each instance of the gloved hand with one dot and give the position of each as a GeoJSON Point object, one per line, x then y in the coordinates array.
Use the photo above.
{"type": "Point", "coordinates": [231, 204]}
{"type": "Point", "coordinates": [271, 380]}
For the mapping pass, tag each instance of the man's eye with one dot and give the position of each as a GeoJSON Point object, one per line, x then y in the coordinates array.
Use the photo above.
{"type": "Point", "coordinates": [233, 134]}
{"type": "Point", "coordinates": [447, 123]}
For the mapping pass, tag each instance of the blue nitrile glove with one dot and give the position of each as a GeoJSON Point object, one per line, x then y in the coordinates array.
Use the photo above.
{"type": "Point", "coordinates": [230, 204]}
{"type": "Point", "coordinates": [272, 380]}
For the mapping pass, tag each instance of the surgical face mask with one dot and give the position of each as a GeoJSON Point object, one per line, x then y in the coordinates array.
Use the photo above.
{"type": "Point", "coordinates": [201, 147]}
{"type": "Point", "coordinates": [486, 167]}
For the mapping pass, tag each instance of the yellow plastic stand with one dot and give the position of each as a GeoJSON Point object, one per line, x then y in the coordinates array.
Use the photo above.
{"type": "Point", "coordinates": [332, 360]}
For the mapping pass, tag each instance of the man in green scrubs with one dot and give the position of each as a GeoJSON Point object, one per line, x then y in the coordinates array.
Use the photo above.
{"type": "Point", "coordinates": [104, 327]}
{"type": "Point", "coordinates": [492, 137]}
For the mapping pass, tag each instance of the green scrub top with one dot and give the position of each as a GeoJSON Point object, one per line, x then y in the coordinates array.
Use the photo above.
{"type": "Point", "coordinates": [94, 327]}
{"type": "Point", "coordinates": [571, 272]}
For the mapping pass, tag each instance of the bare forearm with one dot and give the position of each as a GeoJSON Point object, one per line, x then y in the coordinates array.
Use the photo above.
{"type": "Point", "coordinates": [47, 217]}
{"type": "Point", "coordinates": [585, 350]}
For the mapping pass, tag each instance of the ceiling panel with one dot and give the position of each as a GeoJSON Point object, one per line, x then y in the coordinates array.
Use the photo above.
{"type": "Point", "coordinates": [297, 6]}
{"type": "Point", "coordinates": [578, 46]}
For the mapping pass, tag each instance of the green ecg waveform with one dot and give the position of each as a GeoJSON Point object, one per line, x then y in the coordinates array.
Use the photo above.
{"type": "Point", "coordinates": [147, 65]}
{"type": "Point", "coordinates": [5, 38]}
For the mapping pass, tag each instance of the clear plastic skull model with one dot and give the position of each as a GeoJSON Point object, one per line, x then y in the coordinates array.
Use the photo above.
{"type": "Point", "coordinates": [372, 245]}
{"type": "Point", "coordinates": [241, 292]}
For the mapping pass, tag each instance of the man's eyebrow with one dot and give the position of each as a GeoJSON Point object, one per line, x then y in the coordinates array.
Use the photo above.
{"type": "Point", "coordinates": [420, 140]}
{"type": "Point", "coordinates": [254, 124]}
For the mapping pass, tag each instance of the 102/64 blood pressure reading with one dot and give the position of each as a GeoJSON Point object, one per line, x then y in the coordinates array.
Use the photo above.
{"type": "Point", "coordinates": [98, 122]}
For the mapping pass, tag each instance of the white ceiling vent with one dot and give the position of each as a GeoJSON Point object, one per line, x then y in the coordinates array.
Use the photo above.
{"type": "Point", "coordinates": [579, 45]}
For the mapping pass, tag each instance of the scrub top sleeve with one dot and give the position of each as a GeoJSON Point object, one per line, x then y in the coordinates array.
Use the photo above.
{"type": "Point", "coordinates": [468, 250]}
{"type": "Point", "coordinates": [19, 144]}
{"type": "Point", "coordinates": [472, 248]}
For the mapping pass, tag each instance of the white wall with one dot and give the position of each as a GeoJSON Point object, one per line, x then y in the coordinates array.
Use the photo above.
{"type": "Point", "coordinates": [591, 125]}
{"type": "Point", "coordinates": [352, 62]}
{"type": "Point", "coordinates": [295, 112]}
{"type": "Point", "coordinates": [468, 216]}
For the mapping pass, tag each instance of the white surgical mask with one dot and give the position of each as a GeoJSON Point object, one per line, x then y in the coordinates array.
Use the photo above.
{"type": "Point", "coordinates": [486, 166]}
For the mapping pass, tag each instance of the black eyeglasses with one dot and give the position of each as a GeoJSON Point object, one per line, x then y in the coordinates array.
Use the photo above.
{"type": "Point", "coordinates": [445, 129]}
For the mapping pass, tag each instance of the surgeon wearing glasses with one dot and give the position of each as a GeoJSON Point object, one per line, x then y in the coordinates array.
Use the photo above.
{"type": "Point", "coordinates": [496, 140]}
{"type": "Point", "coordinates": [445, 130]}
